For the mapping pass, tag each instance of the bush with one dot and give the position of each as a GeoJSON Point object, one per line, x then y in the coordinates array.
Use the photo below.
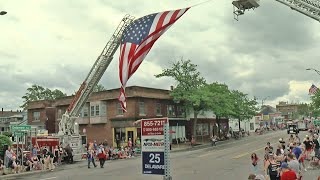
{"type": "Point", "coordinates": [4, 140]}
{"type": "Point", "coordinates": [9, 134]}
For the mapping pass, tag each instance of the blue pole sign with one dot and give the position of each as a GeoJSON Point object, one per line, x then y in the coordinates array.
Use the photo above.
{"type": "Point", "coordinates": [153, 163]}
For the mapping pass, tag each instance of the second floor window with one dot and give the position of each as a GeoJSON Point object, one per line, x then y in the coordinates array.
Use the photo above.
{"type": "Point", "coordinates": [119, 109]}
{"type": "Point", "coordinates": [141, 108]}
{"type": "Point", "coordinates": [97, 110]}
{"type": "Point", "coordinates": [170, 110]}
{"type": "Point", "coordinates": [36, 116]}
{"type": "Point", "coordinates": [158, 109]}
{"type": "Point", "coordinates": [180, 111]}
{"type": "Point", "coordinates": [85, 111]}
{"type": "Point", "coordinates": [92, 111]}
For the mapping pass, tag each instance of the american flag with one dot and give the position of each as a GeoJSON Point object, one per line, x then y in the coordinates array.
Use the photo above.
{"type": "Point", "coordinates": [138, 39]}
{"type": "Point", "coordinates": [313, 89]}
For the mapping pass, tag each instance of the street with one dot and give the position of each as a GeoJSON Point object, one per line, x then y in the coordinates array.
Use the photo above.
{"type": "Point", "coordinates": [226, 162]}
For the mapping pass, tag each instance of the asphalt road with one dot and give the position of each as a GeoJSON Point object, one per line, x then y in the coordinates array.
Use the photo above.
{"type": "Point", "coordinates": [228, 161]}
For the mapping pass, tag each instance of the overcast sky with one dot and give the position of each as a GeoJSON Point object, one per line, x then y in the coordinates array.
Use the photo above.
{"type": "Point", "coordinates": [54, 43]}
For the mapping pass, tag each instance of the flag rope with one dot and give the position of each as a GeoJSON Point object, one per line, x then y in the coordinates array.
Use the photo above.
{"type": "Point", "coordinates": [201, 3]}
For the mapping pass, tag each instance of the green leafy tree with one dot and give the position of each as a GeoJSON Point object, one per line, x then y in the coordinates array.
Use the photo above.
{"type": "Point", "coordinates": [7, 133]}
{"type": "Point", "coordinates": [315, 104]}
{"type": "Point", "coordinates": [244, 108]}
{"type": "Point", "coordinates": [98, 88]}
{"type": "Point", "coordinates": [221, 101]}
{"type": "Point", "coordinates": [36, 92]}
{"type": "Point", "coordinates": [4, 140]}
{"type": "Point", "coordinates": [189, 90]}
{"type": "Point", "coordinates": [304, 109]}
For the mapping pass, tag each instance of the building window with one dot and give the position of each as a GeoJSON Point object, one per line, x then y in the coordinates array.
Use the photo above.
{"type": "Point", "coordinates": [141, 108]}
{"type": "Point", "coordinates": [119, 134]}
{"type": "Point", "coordinates": [85, 111]}
{"type": "Point", "coordinates": [251, 126]}
{"type": "Point", "coordinates": [119, 109]}
{"type": "Point", "coordinates": [92, 111]}
{"type": "Point", "coordinates": [180, 111]}
{"type": "Point", "coordinates": [97, 110]}
{"type": "Point", "coordinates": [158, 109]}
{"type": "Point", "coordinates": [202, 129]}
{"type": "Point", "coordinates": [170, 110]}
{"type": "Point", "coordinates": [36, 116]}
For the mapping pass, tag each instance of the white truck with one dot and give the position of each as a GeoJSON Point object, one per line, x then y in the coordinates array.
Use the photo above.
{"type": "Point", "coordinates": [302, 126]}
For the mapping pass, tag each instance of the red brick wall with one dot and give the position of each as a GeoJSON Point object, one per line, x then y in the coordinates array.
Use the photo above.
{"type": "Point", "coordinates": [51, 122]}
{"type": "Point", "coordinates": [98, 132]}
{"type": "Point", "coordinates": [43, 116]}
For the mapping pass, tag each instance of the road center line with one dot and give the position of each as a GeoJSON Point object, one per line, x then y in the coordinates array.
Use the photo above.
{"type": "Point", "coordinates": [247, 153]}
{"type": "Point", "coordinates": [212, 152]}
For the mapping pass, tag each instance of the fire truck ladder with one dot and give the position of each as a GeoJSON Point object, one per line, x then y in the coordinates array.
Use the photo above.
{"type": "Point", "coordinates": [67, 123]}
{"type": "Point", "coordinates": [309, 8]}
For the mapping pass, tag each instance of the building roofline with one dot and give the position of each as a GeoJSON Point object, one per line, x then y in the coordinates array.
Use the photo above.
{"type": "Point", "coordinates": [108, 90]}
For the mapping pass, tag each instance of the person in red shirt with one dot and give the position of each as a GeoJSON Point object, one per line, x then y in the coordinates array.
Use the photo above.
{"type": "Point", "coordinates": [286, 173]}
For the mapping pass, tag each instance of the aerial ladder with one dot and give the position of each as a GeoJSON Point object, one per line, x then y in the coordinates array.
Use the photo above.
{"type": "Point", "coordinates": [68, 128]}
{"type": "Point", "coordinates": [310, 8]}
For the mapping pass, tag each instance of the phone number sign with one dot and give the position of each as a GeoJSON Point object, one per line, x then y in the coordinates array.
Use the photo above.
{"type": "Point", "coordinates": [152, 143]}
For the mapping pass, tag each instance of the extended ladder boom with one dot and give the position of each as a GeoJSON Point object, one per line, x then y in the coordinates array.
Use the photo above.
{"type": "Point", "coordinates": [67, 123]}
{"type": "Point", "coordinates": [309, 8]}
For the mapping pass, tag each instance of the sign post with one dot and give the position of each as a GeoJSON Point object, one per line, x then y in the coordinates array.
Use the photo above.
{"type": "Point", "coordinates": [154, 143]}
{"type": "Point", "coordinates": [19, 132]}
{"type": "Point", "coordinates": [167, 174]}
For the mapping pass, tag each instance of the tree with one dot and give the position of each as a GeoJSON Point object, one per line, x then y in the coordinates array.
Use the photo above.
{"type": "Point", "coordinates": [243, 107]}
{"type": "Point", "coordinates": [304, 110]}
{"type": "Point", "coordinates": [36, 92]}
{"type": "Point", "coordinates": [4, 140]}
{"type": "Point", "coordinates": [221, 102]}
{"type": "Point", "coordinates": [315, 104]}
{"type": "Point", "coordinates": [98, 88]}
{"type": "Point", "coordinates": [7, 133]}
{"type": "Point", "coordinates": [189, 90]}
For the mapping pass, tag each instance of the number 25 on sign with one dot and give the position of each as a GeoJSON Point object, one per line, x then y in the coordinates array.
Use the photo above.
{"type": "Point", "coordinates": [154, 158]}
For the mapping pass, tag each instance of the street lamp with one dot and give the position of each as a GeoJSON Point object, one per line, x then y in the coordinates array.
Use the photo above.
{"type": "Point", "coordinates": [317, 71]}
{"type": "Point", "coordinates": [3, 12]}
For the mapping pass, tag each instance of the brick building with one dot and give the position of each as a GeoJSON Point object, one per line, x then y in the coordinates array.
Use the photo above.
{"type": "Point", "coordinates": [287, 110]}
{"type": "Point", "coordinates": [102, 117]}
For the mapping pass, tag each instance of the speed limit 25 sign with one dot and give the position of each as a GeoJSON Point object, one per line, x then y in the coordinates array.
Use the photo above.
{"type": "Point", "coordinates": [153, 163]}
{"type": "Point", "coordinates": [153, 146]}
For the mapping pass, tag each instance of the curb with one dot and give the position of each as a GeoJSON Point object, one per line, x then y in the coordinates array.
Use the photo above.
{"type": "Point", "coordinates": [9, 176]}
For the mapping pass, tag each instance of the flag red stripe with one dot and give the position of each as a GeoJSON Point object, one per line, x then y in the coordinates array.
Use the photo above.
{"type": "Point", "coordinates": [174, 15]}
{"type": "Point", "coordinates": [161, 19]}
{"type": "Point", "coordinates": [121, 61]}
{"type": "Point", "coordinates": [131, 53]}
